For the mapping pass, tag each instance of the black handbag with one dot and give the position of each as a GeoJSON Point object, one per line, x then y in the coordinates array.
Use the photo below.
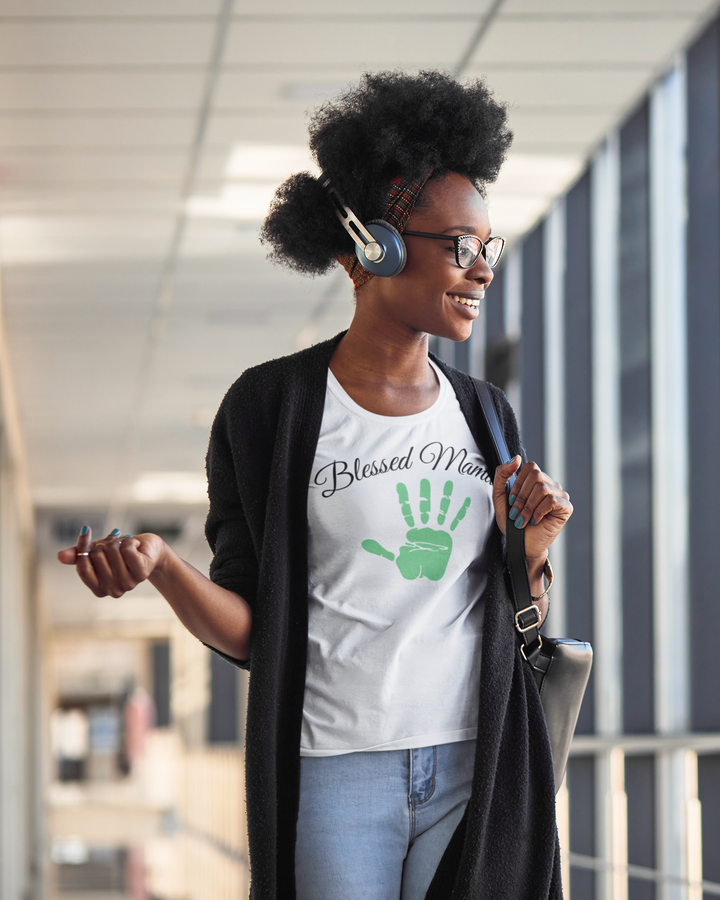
{"type": "Point", "coordinates": [561, 666]}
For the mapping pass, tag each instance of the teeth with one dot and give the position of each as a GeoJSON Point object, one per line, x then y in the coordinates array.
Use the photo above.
{"type": "Point", "coordinates": [466, 301]}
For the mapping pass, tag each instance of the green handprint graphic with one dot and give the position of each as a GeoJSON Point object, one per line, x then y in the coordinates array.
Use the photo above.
{"type": "Point", "coordinates": [426, 552]}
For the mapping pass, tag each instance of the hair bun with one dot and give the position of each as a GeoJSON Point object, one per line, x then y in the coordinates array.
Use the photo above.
{"type": "Point", "coordinates": [302, 227]}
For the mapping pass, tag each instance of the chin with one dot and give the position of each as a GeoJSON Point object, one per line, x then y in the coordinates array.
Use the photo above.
{"type": "Point", "coordinates": [458, 335]}
{"type": "Point", "coordinates": [452, 331]}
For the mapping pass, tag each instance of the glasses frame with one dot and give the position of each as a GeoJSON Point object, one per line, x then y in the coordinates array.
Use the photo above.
{"type": "Point", "coordinates": [456, 238]}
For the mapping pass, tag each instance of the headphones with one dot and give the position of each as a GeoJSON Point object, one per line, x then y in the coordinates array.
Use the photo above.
{"type": "Point", "coordinates": [379, 246]}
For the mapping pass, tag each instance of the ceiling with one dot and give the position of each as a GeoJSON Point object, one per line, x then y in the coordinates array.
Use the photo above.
{"type": "Point", "coordinates": [139, 145]}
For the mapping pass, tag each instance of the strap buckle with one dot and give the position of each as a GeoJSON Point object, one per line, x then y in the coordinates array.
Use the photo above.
{"type": "Point", "coordinates": [523, 621]}
{"type": "Point", "coordinates": [533, 653]}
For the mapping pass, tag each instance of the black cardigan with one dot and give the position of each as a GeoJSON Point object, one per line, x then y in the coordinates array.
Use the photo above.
{"type": "Point", "coordinates": [259, 463]}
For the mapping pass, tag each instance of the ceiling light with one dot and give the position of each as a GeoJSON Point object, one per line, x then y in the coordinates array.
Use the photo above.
{"type": "Point", "coordinates": [268, 162]}
{"type": "Point", "coordinates": [249, 201]}
{"type": "Point", "coordinates": [253, 173]}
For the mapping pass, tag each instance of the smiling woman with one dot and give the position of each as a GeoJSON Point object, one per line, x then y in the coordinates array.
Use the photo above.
{"type": "Point", "coordinates": [396, 745]}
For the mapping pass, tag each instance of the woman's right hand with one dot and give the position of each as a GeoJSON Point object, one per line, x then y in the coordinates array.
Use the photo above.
{"type": "Point", "coordinates": [117, 563]}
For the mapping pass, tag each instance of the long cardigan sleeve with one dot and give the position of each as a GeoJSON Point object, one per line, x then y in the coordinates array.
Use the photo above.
{"type": "Point", "coordinates": [259, 463]}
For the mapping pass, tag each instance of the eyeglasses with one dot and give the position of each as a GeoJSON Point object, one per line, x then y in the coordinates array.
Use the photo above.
{"type": "Point", "coordinates": [468, 247]}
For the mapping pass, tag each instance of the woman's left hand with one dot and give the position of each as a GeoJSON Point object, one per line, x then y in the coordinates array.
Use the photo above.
{"type": "Point", "coordinates": [540, 506]}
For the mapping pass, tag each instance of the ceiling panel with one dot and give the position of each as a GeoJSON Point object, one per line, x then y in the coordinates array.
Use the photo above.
{"type": "Point", "coordinates": [398, 43]}
{"type": "Point", "coordinates": [226, 126]}
{"type": "Point", "coordinates": [213, 163]}
{"type": "Point", "coordinates": [95, 358]}
{"type": "Point", "coordinates": [72, 130]}
{"type": "Point", "coordinates": [589, 88]}
{"type": "Point", "coordinates": [555, 129]}
{"type": "Point", "coordinates": [614, 8]}
{"type": "Point", "coordinates": [96, 364]}
{"type": "Point", "coordinates": [116, 309]}
{"type": "Point", "coordinates": [100, 167]}
{"type": "Point", "coordinates": [347, 9]}
{"type": "Point", "coordinates": [25, 239]}
{"type": "Point", "coordinates": [43, 280]}
{"type": "Point", "coordinates": [217, 240]}
{"type": "Point", "coordinates": [101, 8]}
{"type": "Point", "coordinates": [95, 43]}
{"type": "Point", "coordinates": [292, 89]}
{"type": "Point", "coordinates": [579, 42]}
{"type": "Point", "coordinates": [144, 199]}
{"type": "Point", "coordinates": [536, 174]}
{"type": "Point", "coordinates": [245, 280]}
{"type": "Point", "coordinates": [101, 90]}
{"type": "Point", "coordinates": [241, 8]}
{"type": "Point", "coordinates": [510, 213]}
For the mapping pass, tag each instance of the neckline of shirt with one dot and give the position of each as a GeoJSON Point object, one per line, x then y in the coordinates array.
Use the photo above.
{"type": "Point", "coordinates": [341, 394]}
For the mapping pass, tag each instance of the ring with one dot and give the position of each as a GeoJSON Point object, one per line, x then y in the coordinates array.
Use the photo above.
{"type": "Point", "coordinates": [84, 553]}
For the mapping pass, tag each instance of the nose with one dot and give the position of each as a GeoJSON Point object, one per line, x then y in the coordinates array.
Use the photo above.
{"type": "Point", "coordinates": [480, 271]}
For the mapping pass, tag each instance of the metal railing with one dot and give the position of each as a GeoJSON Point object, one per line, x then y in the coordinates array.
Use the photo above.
{"type": "Point", "coordinates": [580, 861]}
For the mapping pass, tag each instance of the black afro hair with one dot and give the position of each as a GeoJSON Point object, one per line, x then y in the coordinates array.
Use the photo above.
{"type": "Point", "coordinates": [391, 124]}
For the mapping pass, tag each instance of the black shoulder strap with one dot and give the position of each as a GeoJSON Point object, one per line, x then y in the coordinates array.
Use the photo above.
{"type": "Point", "coordinates": [493, 423]}
{"type": "Point", "coordinates": [526, 614]}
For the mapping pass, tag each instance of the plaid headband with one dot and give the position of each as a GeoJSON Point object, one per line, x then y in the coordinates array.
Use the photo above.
{"type": "Point", "coordinates": [403, 196]}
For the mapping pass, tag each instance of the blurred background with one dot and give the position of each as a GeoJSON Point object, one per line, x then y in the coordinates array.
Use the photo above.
{"type": "Point", "coordinates": [140, 143]}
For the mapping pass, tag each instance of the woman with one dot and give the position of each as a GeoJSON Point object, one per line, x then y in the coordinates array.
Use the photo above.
{"type": "Point", "coordinates": [396, 745]}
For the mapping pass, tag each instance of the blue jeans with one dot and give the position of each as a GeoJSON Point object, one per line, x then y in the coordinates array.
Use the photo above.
{"type": "Point", "coordinates": [375, 825]}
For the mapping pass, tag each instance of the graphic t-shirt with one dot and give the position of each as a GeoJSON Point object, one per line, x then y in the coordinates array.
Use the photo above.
{"type": "Point", "coordinates": [399, 516]}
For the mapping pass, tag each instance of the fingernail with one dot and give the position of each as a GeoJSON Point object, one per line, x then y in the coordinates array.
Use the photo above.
{"type": "Point", "coordinates": [519, 522]}
{"type": "Point", "coordinates": [127, 535]}
{"type": "Point", "coordinates": [84, 530]}
{"type": "Point", "coordinates": [115, 531]}
{"type": "Point", "coordinates": [532, 521]}
{"type": "Point", "coordinates": [512, 499]}
{"type": "Point", "coordinates": [514, 512]}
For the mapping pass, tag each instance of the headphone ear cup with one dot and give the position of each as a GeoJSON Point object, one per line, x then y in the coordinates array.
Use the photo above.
{"type": "Point", "coordinates": [393, 262]}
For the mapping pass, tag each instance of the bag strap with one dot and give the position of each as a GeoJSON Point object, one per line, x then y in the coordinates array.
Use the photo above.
{"type": "Point", "coordinates": [527, 615]}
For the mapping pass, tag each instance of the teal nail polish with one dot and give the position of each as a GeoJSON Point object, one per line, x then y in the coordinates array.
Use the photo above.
{"type": "Point", "coordinates": [84, 530]}
{"type": "Point", "coordinates": [519, 522]}
{"type": "Point", "coordinates": [513, 513]}
{"type": "Point", "coordinates": [127, 535]}
{"type": "Point", "coordinates": [512, 499]}
{"type": "Point", "coordinates": [114, 532]}
{"type": "Point", "coordinates": [532, 521]}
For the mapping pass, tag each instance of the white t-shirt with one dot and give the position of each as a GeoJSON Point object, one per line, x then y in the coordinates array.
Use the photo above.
{"type": "Point", "coordinates": [399, 515]}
